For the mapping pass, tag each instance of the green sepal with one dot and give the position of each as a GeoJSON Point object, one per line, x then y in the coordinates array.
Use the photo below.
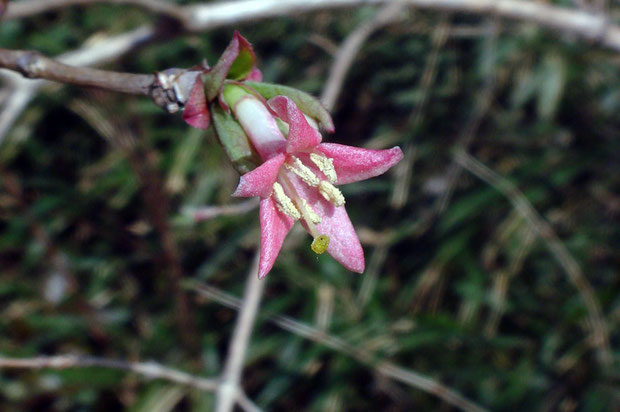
{"type": "Point", "coordinates": [242, 66]}
{"type": "Point", "coordinates": [234, 141]}
{"type": "Point", "coordinates": [307, 103]}
{"type": "Point", "coordinates": [236, 63]}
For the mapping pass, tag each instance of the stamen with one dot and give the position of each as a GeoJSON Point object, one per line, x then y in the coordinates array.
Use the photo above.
{"type": "Point", "coordinates": [284, 203]}
{"type": "Point", "coordinates": [331, 193]}
{"type": "Point", "coordinates": [309, 213]}
{"type": "Point", "coordinates": [325, 165]}
{"type": "Point", "coordinates": [303, 172]}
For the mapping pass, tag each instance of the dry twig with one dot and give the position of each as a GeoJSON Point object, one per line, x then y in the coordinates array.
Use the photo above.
{"type": "Point", "coordinates": [150, 370]}
{"type": "Point", "coordinates": [211, 212]}
{"type": "Point", "coordinates": [594, 27]}
{"type": "Point", "coordinates": [228, 391]}
{"type": "Point", "coordinates": [600, 337]}
{"type": "Point", "coordinates": [350, 48]}
{"type": "Point", "coordinates": [386, 368]}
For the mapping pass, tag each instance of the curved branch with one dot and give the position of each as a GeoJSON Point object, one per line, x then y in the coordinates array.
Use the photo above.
{"type": "Point", "coordinates": [34, 65]}
{"type": "Point", "coordinates": [350, 48]}
{"type": "Point", "coordinates": [31, 7]}
{"type": "Point", "coordinates": [574, 273]}
{"type": "Point", "coordinates": [168, 89]}
{"type": "Point", "coordinates": [362, 355]}
{"type": "Point", "coordinates": [149, 370]}
{"type": "Point", "coordinates": [594, 27]}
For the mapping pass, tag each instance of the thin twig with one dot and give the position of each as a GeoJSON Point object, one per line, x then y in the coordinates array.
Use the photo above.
{"type": "Point", "coordinates": [350, 48]}
{"type": "Point", "coordinates": [390, 370]}
{"type": "Point", "coordinates": [600, 337]}
{"type": "Point", "coordinates": [211, 212]}
{"type": "Point", "coordinates": [26, 8]}
{"type": "Point", "coordinates": [34, 65]}
{"type": "Point", "coordinates": [156, 203]}
{"type": "Point", "coordinates": [228, 392]}
{"type": "Point", "coordinates": [483, 105]}
{"type": "Point", "coordinates": [150, 370]}
{"type": "Point", "coordinates": [169, 88]}
{"type": "Point", "coordinates": [404, 170]}
{"type": "Point", "coordinates": [595, 27]}
{"type": "Point", "coordinates": [202, 17]}
{"type": "Point", "coordinates": [23, 90]}
{"type": "Point", "coordinates": [246, 403]}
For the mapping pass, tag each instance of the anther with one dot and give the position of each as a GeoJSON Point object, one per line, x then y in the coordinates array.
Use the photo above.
{"type": "Point", "coordinates": [325, 165]}
{"type": "Point", "coordinates": [309, 213]}
{"type": "Point", "coordinates": [303, 172]}
{"type": "Point", "coordinates": [331, 193]}
{"type": "Point", "coordinates": [284, 203]}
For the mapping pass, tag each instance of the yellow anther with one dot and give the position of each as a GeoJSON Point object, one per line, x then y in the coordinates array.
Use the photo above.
{"type": "Point", "coordinates": [284, 203]}
{"type": "Point", "coordinates": [308, 213]}
{"type": "Point", "coordinates": [331, 193]}
{"type": "Point", "coordinates": [319, 244]}
{"type": "Point", "coordinates": [303, 172]}
{"type": "Point", "coordinates": [325, 165]}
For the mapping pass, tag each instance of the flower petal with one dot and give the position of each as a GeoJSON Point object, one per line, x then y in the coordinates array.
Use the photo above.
{"type": "Point", "coordinates": [259, 182]}
{"type": "Point", "coordinates": [274, 227]}
{"type": "Point", "coordinates": [260, 126]}
{"type": "Point", "coordinates": [255, 75]}
{"type": "Point", "coordinates": [301, 136]}
{"type": "Point", "coordinates": [344, 244]}
{"type": "Point", "coordinates": [353, 164]}
{"type": "Point", "coordinates": [196, 111]}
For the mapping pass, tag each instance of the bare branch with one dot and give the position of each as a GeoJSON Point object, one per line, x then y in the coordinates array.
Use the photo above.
{"type": "Point", "coordinates": [211, 212]}
{"type": "Point", "coordinates": [23, 90]}
{"type": "Point", "coordinates": [403, 171]}
{"type": "Point", "coordinates": [600, 336]}
{"type": "Point", "coordinates": [386, 368]}
{"type": "Point", "coordinates": [208, 16]}
{"type": "Point", "coordinates": [150, 370]}
{"type": "Point", "coordinates": [34, 65]}
{"type": "Point", "coordinates": [595, 27]}
{"type": "Point", "coordinates": [228, 391]}
{"type": "Point", "coordinates": [350, 48]}
{"type": "Point", "coordinates": [27, 8]}
{"type": "Point", "coordinates": [168, 89]}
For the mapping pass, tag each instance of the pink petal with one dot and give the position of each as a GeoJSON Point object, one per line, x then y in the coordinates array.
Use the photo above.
{"type": "Point", "coordinates": [259, 182]}
{"type": "Point", "coordinates": [344, 244]}
{"type": "Point", "coordinates": [255, 75]}
{"type": "Point", "coordinates": [274, 227]}
{"type": "Point", "coordinates": [353, 164]}
{"type": "Point", "coordinates": [196, 112]}
{"type": "Point", "coordinates": [301, 136]}
{"type": "Point", "coordinates": [260, 126]}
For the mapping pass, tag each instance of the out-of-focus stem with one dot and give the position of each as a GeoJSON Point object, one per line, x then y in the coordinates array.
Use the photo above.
{"type": "Point", "coordinates": [229, 390]}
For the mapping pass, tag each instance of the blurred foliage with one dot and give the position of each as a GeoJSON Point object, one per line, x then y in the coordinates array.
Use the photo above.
{"type": "Point", "coordinates": [469, 297]}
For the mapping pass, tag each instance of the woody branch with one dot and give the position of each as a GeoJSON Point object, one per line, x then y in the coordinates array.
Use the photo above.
{"type": "Point", "coordinates": [168, 89]}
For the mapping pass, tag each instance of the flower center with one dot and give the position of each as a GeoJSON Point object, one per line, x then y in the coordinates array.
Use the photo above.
{"type": "Point", "coordinates": [293, 205]}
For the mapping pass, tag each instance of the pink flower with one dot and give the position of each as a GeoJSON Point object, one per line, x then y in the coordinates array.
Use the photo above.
{"type": "Point", "coordinates": [298, 179]}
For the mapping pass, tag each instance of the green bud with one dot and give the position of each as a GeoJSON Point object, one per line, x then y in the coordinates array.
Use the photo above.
{"type": "Point", "coordinates": [234, 140]}
{"type": "Point", "coordinates": [307, 103]}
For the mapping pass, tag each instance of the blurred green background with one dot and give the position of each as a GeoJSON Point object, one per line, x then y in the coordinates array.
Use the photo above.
{"type": "Point", "coordinates": [98, 256]}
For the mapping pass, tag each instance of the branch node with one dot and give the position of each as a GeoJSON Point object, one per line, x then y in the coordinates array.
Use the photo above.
{"type": "Point", "coordinates": [171, 88]}
{"type": "Point", "coordinates": [30, 64]}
